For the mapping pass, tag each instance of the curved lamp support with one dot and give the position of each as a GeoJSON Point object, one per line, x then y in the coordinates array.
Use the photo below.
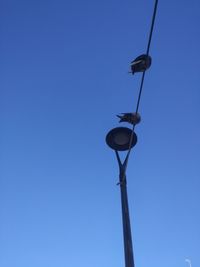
{"type": "Point", "coordinates": [128, 247]}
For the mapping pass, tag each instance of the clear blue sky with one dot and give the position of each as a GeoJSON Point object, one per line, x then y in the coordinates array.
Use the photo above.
{"type": "Point", "coordinates": [64, 76]}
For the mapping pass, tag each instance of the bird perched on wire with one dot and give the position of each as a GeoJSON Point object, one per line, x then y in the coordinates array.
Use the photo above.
{"type": "Point", "coordinates": [132, 118]}
{"type": "Point", "coordinates": [141, 63]}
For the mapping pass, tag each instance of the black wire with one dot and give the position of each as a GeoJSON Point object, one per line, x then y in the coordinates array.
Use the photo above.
{"type": "Point", "coordinates": [143, 76]}
{"type": "Point", "coordinates": [147, 52]}
{"type": "Point", "coordinates": [140, 92]}
{"type": "Point", "coordinates": [152, 26]}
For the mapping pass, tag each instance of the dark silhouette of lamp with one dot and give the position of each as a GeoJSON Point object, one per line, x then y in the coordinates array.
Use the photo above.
{"type": "Point", "coordinates": [119, 139]}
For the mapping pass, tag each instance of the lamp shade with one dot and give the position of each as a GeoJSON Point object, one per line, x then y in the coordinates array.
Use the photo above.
{"type": "Point", "coordinates": [119, 138]}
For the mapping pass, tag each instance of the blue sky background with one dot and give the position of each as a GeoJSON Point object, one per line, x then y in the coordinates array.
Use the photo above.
{"type": "Point", "coordinates": [64, 76]}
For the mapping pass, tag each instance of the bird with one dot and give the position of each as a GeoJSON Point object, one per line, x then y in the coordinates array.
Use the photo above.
{"type": "Point", "coordinates": [132, 118]}
{"type": "Point", "coordinates": [141, 63]}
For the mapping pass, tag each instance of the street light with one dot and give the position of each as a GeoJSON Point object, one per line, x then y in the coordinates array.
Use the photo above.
{"type": "Point", "coordinates": [189, 262]}
{"type": "Point", "coordinates": [123, 139]}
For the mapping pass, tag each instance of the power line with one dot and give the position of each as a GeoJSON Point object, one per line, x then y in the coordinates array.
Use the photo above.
{"type": "Point", "coordinates": [143, 75]}
{"type": "Point", "coordinates": [147, 52]}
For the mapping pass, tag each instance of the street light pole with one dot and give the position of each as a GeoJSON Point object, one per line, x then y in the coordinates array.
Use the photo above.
{"type": "Point", "coordinates": [123, 139]}
{"type": "Point", "coordinates": [128, 247]}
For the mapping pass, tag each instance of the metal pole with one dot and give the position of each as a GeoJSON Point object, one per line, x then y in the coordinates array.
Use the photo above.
{"type": "Point", "coordinates": [128, 247]}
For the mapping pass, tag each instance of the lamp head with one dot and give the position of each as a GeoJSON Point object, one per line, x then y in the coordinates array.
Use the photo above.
{"type": "Point", "coordinates": [119, 138]}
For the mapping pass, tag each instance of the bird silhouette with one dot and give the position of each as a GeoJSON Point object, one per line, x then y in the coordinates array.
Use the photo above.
{"type": "Point", "coordinates": [132, 118]}
{"type": "Point", "coordinates": [141, 63]}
